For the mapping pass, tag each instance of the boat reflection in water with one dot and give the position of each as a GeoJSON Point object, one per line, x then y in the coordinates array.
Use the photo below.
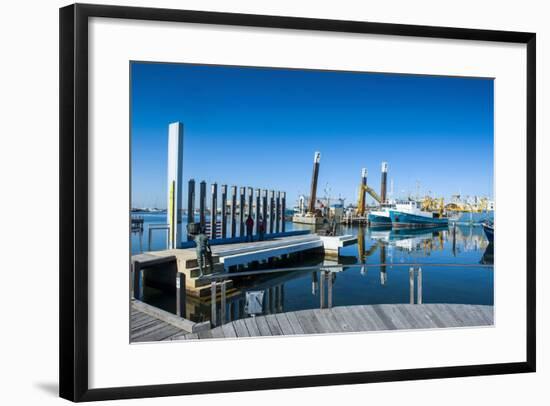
{"type": "Point", "coordinates": [455, 244]}
{"type": "Point", "coordinates": [451, 241]}
{"type": "Point", "coordinates": [421, 241]}
{"type": "Point", "coordinates": [488, 256]}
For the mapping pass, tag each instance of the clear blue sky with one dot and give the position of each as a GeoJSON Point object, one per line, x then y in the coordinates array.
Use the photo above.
{"type": "Point", "coordinates": [260, 127]}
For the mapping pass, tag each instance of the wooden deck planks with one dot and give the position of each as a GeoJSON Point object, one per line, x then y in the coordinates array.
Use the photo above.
{"type": "Point", "coordinates": [286, 328]}
{"type": "Point", "coordinates": [341, 324]}
{"type": "Point", "coordinates": [309, 322]}
{"type": "Point", "coordinates": [475, 316]}
{"type": "Point", "coordinates": [434, 317]}
{"type": "Point", "coordinates": [261, 322]}
{"type": "Point", "coordinates": [449, 313]}
{"type": "Point", "coordinates": [229, 330]}
{"type": "Point", "coordinates": [418, 319]}
{"type": "Point", "coordinates": [343, 313]}
{"type": "Point", "coordinates": [399, 319]}
{"type": "Point", "coordinates": [138, 317]}
{"type": "Point", "coordinates": [143, 324]}
{"type": "Point", "coordinates": [334, 320]}
{"type": "Point", "coordinates": [163, 333]}
{"type": "Point", "coordinates": [273, 325]}
{"type": "Point", "coordinates": [368, 323]}
{"type": "Point", "coordinates": [217, 332]}
{"type": "Point", "coordinates": [146, 328]}
{"type": "Point", "coordinates": [205, 334]}
{"type": "Point", "coordinates": [327, 321]}
{"type": "Point", "coordinates": [252, 327]}
{"type": "Point", "coordinates": [153, 330]}
{"type": "Point", "coordinates": [371, 315]}
{"type": "Point", "coordinates": [486, 316]}
{"type": "Point", "coordinates": [240, 328]}
{"type": "Point", "coordinates": [294, 323]}
{"type": "Point", "coordinates": [489, 313]}
{"type": "Point", "coordinates": [179, 337]}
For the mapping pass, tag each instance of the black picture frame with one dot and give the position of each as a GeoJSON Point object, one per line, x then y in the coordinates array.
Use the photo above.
{"type": "Point", "coordinates": [73, 254]}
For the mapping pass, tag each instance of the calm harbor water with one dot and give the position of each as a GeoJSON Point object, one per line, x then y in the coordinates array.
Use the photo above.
{"type": "Point", "coordinates": [385, 279]}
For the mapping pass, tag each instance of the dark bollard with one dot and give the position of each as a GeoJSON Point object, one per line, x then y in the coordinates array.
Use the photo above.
{"type": "Point", "coordinates": [241, 211]}
{"type": "Point", "coordinates": [180, 294]}
{"type": "Point", "coordinates": [214, 212]}
{"type": "Point", "coordinates": [264, 210]}
{"type": "Point", "coordinates": [314, 177]}
{"type": "Point", "coordinates": [271, 210]}
{"type": "Point", "coordinates": [282, 298]}
{"type": "Point", "coordinates": [224, 211]}
{"type": "Point", "coordinates": [138, 281]}
{"type": "Point", "coordinates": [190, 204]}
{"type": "Point", "coordinates": [258, 198]}
{"type": "Point", "coordinates": [202, 204]}
{"type": "Point", "coordinates": [322, 289]}
{"type": "Point", "coordinates": [283, 209]}
{"type": "Point", "coordinates": [233, 211]}
{"type": "Point", "coordinates": [250, 202]}
{"type": "Point", "coordinates": [278, 212]}
{"type": "Point", "coordinates": [329, 289]}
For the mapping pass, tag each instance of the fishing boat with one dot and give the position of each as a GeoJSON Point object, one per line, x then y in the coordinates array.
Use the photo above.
{"type": "Point", "coordinates": [409, 214]}
{"type": "Point", "coordinates": [470, 210]}
{"type": "Point", "coordinates": [489, 229]}
{"type": "Point", "coordinates": [379, 218]}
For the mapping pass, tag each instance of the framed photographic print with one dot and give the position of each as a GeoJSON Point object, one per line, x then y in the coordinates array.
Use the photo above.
{"type": "Point", "coordinates": [256, 202]}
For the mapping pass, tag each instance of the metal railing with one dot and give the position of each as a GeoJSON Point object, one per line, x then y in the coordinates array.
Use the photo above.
{"type": "Point", "coordinates": [153, 227]}
{"type": "Point", "coordinates": [335, 268]}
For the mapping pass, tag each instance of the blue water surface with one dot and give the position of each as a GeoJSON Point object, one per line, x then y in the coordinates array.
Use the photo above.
{"type": "Point", "coordinates": [375, 270]}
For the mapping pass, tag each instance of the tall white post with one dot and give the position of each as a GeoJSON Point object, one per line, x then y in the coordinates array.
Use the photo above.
{"type": "Point", "coordinates": [175, 184]}
{"type": "Point", "coordinates": [302, 205]}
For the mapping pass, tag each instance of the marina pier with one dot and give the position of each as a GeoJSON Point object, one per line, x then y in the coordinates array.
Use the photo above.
{"type": "Point", "coordinates": [344, 319]}
{"type": "Point", "coordinates": [232, 317]}
{"type": "Point", "coordinates": [326, 269]}
{"type": "Point", "coordinates": [349, 319]}
{"type": "Point", "coordinates": [233, 256]}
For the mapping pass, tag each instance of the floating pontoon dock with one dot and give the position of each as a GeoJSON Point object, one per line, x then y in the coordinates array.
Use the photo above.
{"type": "Point", "coordinates": [228, 256]}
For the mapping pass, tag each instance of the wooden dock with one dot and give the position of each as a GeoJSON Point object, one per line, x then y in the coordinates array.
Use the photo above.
{"type": "Point", "coordinates": [226, 256]}
{"type": "Point", "coordinates": [347, 319]}
{"type": "Point", "coordinates": [148, 323]}
{"type": "Point", "coordinates": [146, 328]}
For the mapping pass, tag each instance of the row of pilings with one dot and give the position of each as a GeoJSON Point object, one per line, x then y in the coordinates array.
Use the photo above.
{"type": "Point", "coordinates": [228, 220]}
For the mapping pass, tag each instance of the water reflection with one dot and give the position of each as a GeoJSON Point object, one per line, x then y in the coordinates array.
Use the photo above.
{"type": "Point", "coordinates": [385, 280]}
{"type": "Point", "coordinates": [488, 255]}
{"type": "Point", "coordinates": [445, 243]}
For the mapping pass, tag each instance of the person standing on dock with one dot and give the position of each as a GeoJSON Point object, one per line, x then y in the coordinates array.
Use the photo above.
{"type": "Point", "coordinates": [202, 246]}
{"type": "Point", "coordinates": [261, 229]}
{"type": "Point", "coordinates": [249, 228]}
